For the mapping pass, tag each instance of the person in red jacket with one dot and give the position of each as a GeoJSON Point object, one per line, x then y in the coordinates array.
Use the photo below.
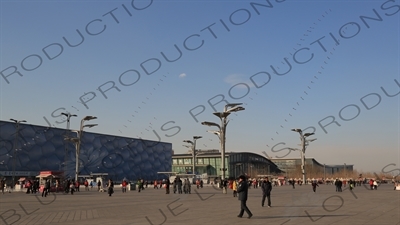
{"type": "Point", "coordinates": [86, 183]}
{"type": "Point", "coordinates": [124, 184]}
{"type": "Point", "coordinates": [371, 184]}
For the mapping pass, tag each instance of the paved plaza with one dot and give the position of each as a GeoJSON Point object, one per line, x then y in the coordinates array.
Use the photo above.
{"type": "Point", "coordinates": [206, 206]}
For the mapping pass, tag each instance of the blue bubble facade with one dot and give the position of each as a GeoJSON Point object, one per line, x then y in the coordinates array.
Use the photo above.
{"type": "Point", "coordinates": [41, 148]}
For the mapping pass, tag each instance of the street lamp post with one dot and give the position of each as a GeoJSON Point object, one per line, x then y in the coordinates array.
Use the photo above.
{"type": "Point", "coordinates": [304, 143]}
{"type": "Point", "coordinates": [17, 122]}
{"type": "Point", "coordinates": [228, 109]}
{"type": "Point", "coordinates": [78, 141]}
{"type": "Point", "coordinates": [68, 115]}
{"type": "Point", "coordinates": [193, 146]}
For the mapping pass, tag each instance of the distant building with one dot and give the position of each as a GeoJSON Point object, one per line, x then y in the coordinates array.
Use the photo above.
{"type": "Point", "coordinates": [237, 163]}
{"type": "Point", "coordinates": [291, 164]}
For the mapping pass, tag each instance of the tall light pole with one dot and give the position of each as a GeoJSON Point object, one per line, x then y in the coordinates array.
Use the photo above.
{"type": "Point", "coordinates": [68, 115]}
{"type": "Point", "coordinates": [228, 109]}
{"type": "Point", "coordinates": [17, 122]}
{"type": "Point", "coordinates": [78, 141]}
{"type": "Point", "coordinates": [304, 143]}
{"type": "Point", "coordinates": [193, 143]}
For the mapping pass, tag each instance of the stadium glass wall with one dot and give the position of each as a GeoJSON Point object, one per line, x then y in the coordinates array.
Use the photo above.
{"type": "Point", "coordinates": [44, 148]}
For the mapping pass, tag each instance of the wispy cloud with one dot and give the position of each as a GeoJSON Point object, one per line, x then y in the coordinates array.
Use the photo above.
{"type": "Point", "coordinates": [182, 75]}
{"type": "Point", "coordinates": [234, 79]}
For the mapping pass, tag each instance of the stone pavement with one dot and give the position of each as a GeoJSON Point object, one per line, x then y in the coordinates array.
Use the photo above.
{"type": "Point", "coordinates": [205, 206]}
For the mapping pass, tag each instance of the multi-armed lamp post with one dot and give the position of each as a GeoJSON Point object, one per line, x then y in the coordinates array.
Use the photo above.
{"type": "Point", "coordinates": [228, 109]}
{"type": "Point", "coordinates": [304, 143]}
{"type": "Point", "coordinates": [68, 115]}
{"type": "Point", "coordinates": [17, 122]}
{"type": "Point", "coordinates": [78, 141]}
{"type": "Point", "coordinates": [193, 146]}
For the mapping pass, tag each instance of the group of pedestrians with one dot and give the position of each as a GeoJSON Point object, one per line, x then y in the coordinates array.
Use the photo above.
{"type": "Point", "coordinates": [241, 190]}
{"type": "Point", "coordinates": [338, 184]}
{"type": "Point", "coordinates": [373, 184]}
{"type": "Point", "coordinates": [177, 185]}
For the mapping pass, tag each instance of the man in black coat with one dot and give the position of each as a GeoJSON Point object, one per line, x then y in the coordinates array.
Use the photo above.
{"type": "Point", "coordinates": [243, 191]}
{"type": "Point", "coordinates": [167, 183]}
{"type": "Point", "coordinates": [266, 188]}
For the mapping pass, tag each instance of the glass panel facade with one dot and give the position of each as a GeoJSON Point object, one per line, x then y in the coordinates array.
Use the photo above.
{"type": "Point", "coordinates": [212, 161]}
{"type": "Point", "coordinates": [43, 149]}
{"type": "Point", "coordinates": [187, 161]}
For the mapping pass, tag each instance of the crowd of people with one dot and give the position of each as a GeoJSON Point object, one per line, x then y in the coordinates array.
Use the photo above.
{"type": "Point", "coordinates": [184, 185]}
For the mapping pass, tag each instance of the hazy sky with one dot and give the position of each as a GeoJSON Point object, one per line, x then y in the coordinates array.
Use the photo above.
{"type": "Point", "coordinates": [157, 69]}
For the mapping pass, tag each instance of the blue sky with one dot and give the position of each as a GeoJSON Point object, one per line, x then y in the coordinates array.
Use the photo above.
{"type": "Point", "coordinates": [341, 64]}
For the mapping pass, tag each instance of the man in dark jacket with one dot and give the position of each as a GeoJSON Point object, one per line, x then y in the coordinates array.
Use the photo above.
{"type": "Point", "coordinates": [242, 191]}
{"type": "Point", "coordinates": [179, 185]}
{"type": "Point", "coordinates": [266, 188]}
{"type": "Point", "coordinates": [167, 183]}
{"type": "Point", "coordinates": [110, 186]}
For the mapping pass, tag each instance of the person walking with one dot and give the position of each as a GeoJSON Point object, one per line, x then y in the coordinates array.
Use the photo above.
{"type": "Point", "coordinates": [234, 188]}
{"type": "Point", "coordinates": [110, 187]}
{"type": "Point", "coordinates": [314, 185]}
{"type": "Point", "coordinates": [139, 185]}
{"type": "Point", "coordinates": [337, 185]}
{"type": "Point", "coordinates": [351, 184]}
{"type": "Point", "coordinates": [371, 184]}
{"type": "Point", "coordinates": [66, 186]}
{"type": "Point", "coordinates": [242, 190]}
{"type": "Point", "coordinates": [175, 184]}
{"type": "Point", "coordinates": [124, 184]}
{"type": "Point", "coordinates": [72, 187]}
{"type": "Point", "coordinates": [187, 186]}
{"type": "Point", "coordinates": [29, 185]}
{"type": "Point", "coordinates": [98, 185]}
{"type": "Point", "coordinates": [167, 183]}
{"type": "Point", "coordinates": [155, 184]}
{"type": "Point", "coordinates": [86, 184]}
{"type": "Point", "coordinates": [57, 185]}
{"type": "Point", "coordinates": [266, 188]}
{"type": "Point", "coordinates": [2, 185]}
{"type": "Point", "coordinates": [77, 185]}
{"type": "Point", "coordinates": [179, 186]}
{"type": "Point", "coordinates": [375, 183]}
{"type": "Point", "coordinates": [46, 188]}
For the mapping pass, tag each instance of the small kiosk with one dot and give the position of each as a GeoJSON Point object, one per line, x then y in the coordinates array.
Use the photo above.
{"type": "Point", "coordinates": [53, 176]}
